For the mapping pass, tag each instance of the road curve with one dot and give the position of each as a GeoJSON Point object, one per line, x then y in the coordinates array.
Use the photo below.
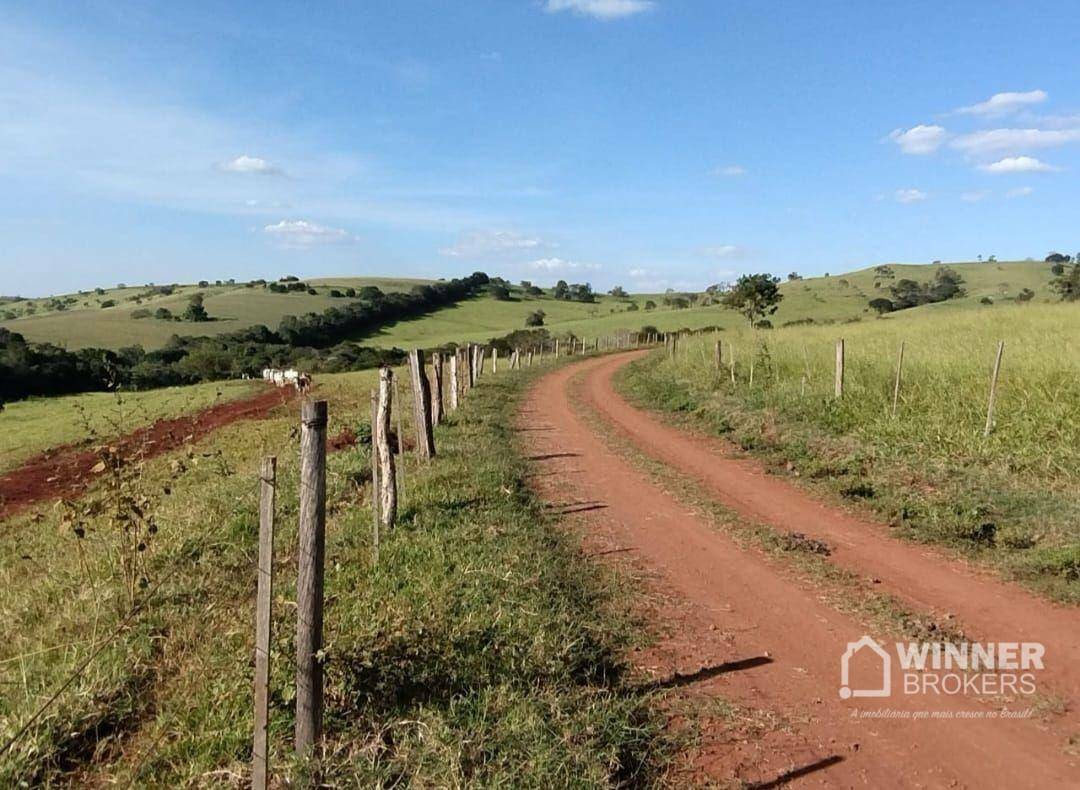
{"type": "Point", "coordinates": [755, 636]}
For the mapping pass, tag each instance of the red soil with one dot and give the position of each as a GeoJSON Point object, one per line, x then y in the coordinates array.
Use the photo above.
{"type": "Point", "coordinates": [64, 472]}
{"type": "Point", "coordinates": [735, 625]}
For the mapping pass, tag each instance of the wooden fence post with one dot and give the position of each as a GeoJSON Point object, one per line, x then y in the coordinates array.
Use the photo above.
{"type": "Point", "coordinates": [556, 348]}
{"type": "Point", "coordinates": [264, 596]}
{"type": "Point", "coordinates": [993, 390]}
{"type": "Point", "coordinates": [399, 469]}
{"type": "Point", "coordinates": [454, 380]}
{"type": "Point", "coordinates": [425, 436]}
{"type": "Point", "coordinates": [375, 470]}
{"type": "Point", "coordinates": [719, 355]}
{"type": "Point", "coordinates": [731, 359]}
{"type": "Point", "coordinates": [495, 359]}
{"type": "Point", "coordinates": [388, 494]}
{"type": "Point", "coordinates": [309, 578]}
{"type": "Point", "coordinates": [838, 384]}
{"type": "Point", "coordinates": [896, 385]}
{"type": "Point", "coordinates": [470, 361]}
{"type": "Point", "coordinates": [437, 388]}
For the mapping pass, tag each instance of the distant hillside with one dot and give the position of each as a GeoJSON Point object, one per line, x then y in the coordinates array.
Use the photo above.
{"type": "Point", "coordinates": [84, 323]}
{"type": "Point", "coordinates": [836, 298]}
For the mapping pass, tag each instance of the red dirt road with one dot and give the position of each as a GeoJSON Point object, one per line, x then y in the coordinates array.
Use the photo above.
{"type": "Point", "coordinates": [65, 472]}
{"type": "Point", "coordinates": [739, 629]}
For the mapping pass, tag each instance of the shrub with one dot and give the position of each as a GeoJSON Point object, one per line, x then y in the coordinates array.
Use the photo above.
{"type": "Point", "coordinates": [142, 312]}
{"type": "Point", "coordinates": [1068, 284]}
{"type": "Point", "coordinates": [535, 318]}
{"type": "Point", "coordinates": [882, 306]}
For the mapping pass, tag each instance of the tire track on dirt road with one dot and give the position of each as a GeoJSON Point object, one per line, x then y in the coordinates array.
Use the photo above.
{"type": "Point", "coordinates": [751, 635]}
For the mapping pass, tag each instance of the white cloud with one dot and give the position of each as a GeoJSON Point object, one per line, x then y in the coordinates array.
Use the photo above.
{"type": "Point", "coordinates": [637, 274]}
{"type": "Point", "coordinates": [909, 195]}
{"type": "Point", "coordinates": [560, 265]}
{"type": "Point", "coordinates": [975, 196]}
{"type": "Point", "coordinates": [725, 251]}
{"type": "Point", "coordinates": [1018, 164]}
{"type": "Point", "coordinates": [1020, 192]}
{"type": "Point", "coordinates": [730, 170]}
{"type": "Point", "coordinates": [921, 139]}
{"type": "Point", "coordinates": [494, 243]}
{"type": "Point", "coordinates": [251, 165]}
{"type": "Point", "coordinates": [993, 141]}
{"type": "Point", "coordinates": [600, 9]}
{"type": "Point", "coordinates": [299, 233]}
{"type": "Point", "coordinates": [1004, 103]}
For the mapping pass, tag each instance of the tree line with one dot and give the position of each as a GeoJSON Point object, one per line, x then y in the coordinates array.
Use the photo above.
{"type": "Point", "coordinates": [315, 342]}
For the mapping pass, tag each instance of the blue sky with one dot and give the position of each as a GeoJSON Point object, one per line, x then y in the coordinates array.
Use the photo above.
{"type": "Point", "coordinates": [649, 144]}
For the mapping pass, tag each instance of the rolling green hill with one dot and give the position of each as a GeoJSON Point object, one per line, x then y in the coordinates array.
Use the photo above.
{"type": "Point", "coordinates": [833, 298]}
{"type": "Point", "coordinates": [84, 323]}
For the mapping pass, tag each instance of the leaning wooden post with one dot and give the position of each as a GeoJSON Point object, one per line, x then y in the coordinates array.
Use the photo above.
{"type": "Point", "coordinates": [309, 578]}
{"type": "Point", "coordinates": [437, 388]}
{"type": "Point", "coordinates": [388, 495]}
{"type": "Point", "coordinates": [425, 436]}
{"type": "Point", "coordinates": [375, 474]}
{"type": "Point", "coordinates": [993, 390]}
{"type": "Point", "coordinates": [838, 385]}
{"type": "Point", "coordinates": [260, 754]}
{"type": "Point", "coordinates": [454, 380]}
{"type": "Point", "coordinates": [896, 385]}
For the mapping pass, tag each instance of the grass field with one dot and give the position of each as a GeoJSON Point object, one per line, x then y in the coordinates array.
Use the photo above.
{"type": "Point", "coordinates": [1008, 499]}
{"type": "Point", "coordinates": [86, 324]}
{"type": "Point", "coordinates": [482, 650]}
{"type": "Point", "coordinates": [30, 426]}
{"type": "Point", "coordinates": [836, 298]}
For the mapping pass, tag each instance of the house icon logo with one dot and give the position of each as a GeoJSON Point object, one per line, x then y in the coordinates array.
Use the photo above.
{"type": "Point", "coordinates": [853, 648]}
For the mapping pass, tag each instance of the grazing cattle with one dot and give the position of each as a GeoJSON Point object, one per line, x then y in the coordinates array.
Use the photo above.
{"type": "Point", "coordinates": [283, 378]}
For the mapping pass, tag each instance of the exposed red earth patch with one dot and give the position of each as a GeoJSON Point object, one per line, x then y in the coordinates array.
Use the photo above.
{"type": "Point", "coordinates": [64, 472]}
{"type": "Point", "coordinates": [734, 627]}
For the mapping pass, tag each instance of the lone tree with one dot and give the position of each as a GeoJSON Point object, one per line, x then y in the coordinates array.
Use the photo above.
{"type": "Point", "coordinates": [755, 296]}
{"type": "Point", "coordinates": [618, 292]}
{"type": "Point", "coordinates": [195, 310]}
{"type": "Point", "coordinates": [535, 319]}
